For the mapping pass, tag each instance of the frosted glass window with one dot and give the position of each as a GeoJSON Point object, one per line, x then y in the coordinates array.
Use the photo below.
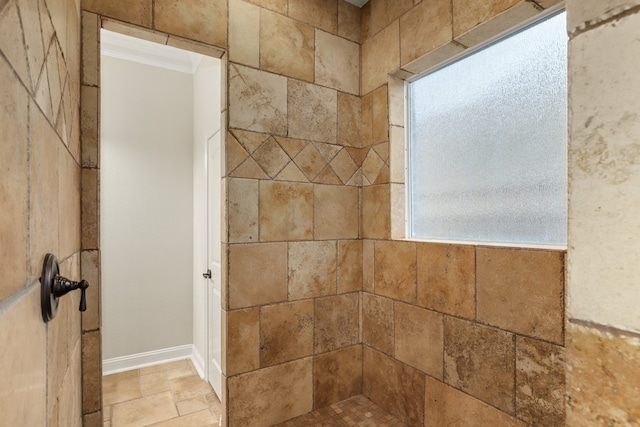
{"type": "Point", "coordinates": [487, 143]}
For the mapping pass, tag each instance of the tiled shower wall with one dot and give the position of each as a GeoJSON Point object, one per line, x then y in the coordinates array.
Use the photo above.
{"type": "Point", "coordinates": [451, 333]}
{"type": "Point", "coordinates": [40, 363]}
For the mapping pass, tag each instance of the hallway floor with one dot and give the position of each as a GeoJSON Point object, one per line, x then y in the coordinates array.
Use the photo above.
{"type": "Point", "coordinates": [173, 395]}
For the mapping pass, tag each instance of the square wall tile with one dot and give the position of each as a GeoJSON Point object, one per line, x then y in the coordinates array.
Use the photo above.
{"type": "Point", "coordinates": [242, 333]}
{"type": "Point", "coordinates": [419, 338]}
{"type": "Point", "coordinates": [540, 382]}
{"type": "Point", "coordinates": [205, 22]}
{"type": "Point", "coordinates": [244, 33]}
{"type": "Point", "coordinates": [467, 14]}
{"type": "Point", "coordinates": [335, 212]}
{"type": "Point", "coordinates": [349, 266]}
{"type": "Point", "coordinates": [257, 274]}
{"type": "Point", "coordinates": [271, 395]}
{"type": "Point", "coordinates": [257, 100]}
{"type": "Point", "coordinates": [417, 39]}
{"type": "Point", "coordinates": [446, 406]}
{"type": "Point", "coordinates": [380, 116]}
{"type": "Point", "coordinates": [286, 211]}
{"type": "Point", "coordinates": [395, 270]}
{"type": "Point", "coordinates": [368, 267]}
{"type": "Point", "coordinates": [337, 376]}
{"type": "Point", "coordinates": [337, 63]}
{"type": "Point", "coordinates": [279, 6]}
{"type": "Point", "coordinates": [313, 112]}
{"type": "Point", "coordinates": [376, 220]}
{"type": "Point", "coordinates": [476, 356]}
{"type": "Point", "coordinates": [321, 14]}
{"type": "Point", "coordinates": [377, 322]}
{"type": "Point", "coordinates": [69, 207]}
{"type": "Point", "coordinates": [286, 46]}
{"type": "Point", "coordinates": [394, 386]}
{"type": "Point", "coordinates": [312, 269]}
{"type": "Point", "coordinates": [380, 56]}
{"type": "Point", "coordinates": [242, 195]}
{"type": "Point", "coordinates": [349, 120]}
{"type": "Point", "coordinates": [603, 374]}
{"type": "Point", "coordinates": [384, 13]}
{"type": "Point", "coordinates": [522, 291]}
{"type": "Point", "coordinates": [286, 332]}
{"type": "Point", "coordinates": [349, 21]}
{"type": "Point", "coordinates": [447, 278]}
{"type": "Point", "coordinates": [136, 12]}
{"type": "Point", "coordinates": [337, 322]}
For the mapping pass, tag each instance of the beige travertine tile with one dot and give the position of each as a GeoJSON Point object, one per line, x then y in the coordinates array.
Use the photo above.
{"type": "Point", "coordinates": [446, 406]}
{"type": "Point", "coordinates": [336, 322]}
{"type": "Point", "coordinates": [377, 322]}
{"type": "Point", "coordinates": [271, 395]}
{"type": "Point", "coordinates": [134, 31]}
{"type": "Point", "coordinates": [90, 209]}
{"type": "Point", "coordinates": [380, 56]}
{"type": "Point", "coordinates": [279, 6]}
{"type": "Point", "coordinates": [337, 63]}
{"type": "Point", "coordinates": [23, 365]}
{"type": "Point", "coordinates": [349, 21]}
{"type": "Point", "coordinates": [190, 406]}
{"type": "Point", "coordinates": [203, 49]}
{"type": "Point", "coordinates": [235, 153]}
{"type": "Point", "coordinates": [244, 33]}
{"type": "Point", "coordinates": [592, 11]}
{"type": "Point", "coordinates": [249, 169]}
{"type": "Point", "coordinates": [43, 212]}
{"type": "Point", "coordinates": [447, 278]}
{"type": "Point", "coordinates": [328, 151]}
{"type": "Point", "coordinates": [90, 50]}
{"type": "Point", "coordinates": [368, 265]}
{"type": "Point", "coordinates": [540, 382]}
{"type": "Point", "coordinates": [385, 12]}
{"type": "Point", "coordinates": [291, 172]}
{"type": "Point", "coordinates": [365, 22]}
{"type": "Point", "coordinates": [69, 206]}
{"type": "Point", "coordinates": [335, 212]}
{"type": "Point", "coordinates": [349, 266]}
{"type": "Point", "coordinates": [144, 411]}
{"type": "Point", "coordinates": [91, 371]}
{"type": "Point", "coordinates": [394, 386]}
{"type": "Point", "coordinates": [14, 180]}
{"type": "Point", "coordinates": [201, 21]}
{"type": "Point", "coordinates": [380, 115]}
{"type": "Point", "coordinates": [344, 167]}
{"type": "Point", "coordinates": [286, 46]}
{"type": "Point", "coordinates": [313, 112]}
{"type": "Point", "coordinates": [366, 127]}
{"type": "Point", "coordinates": [89, 126]}
{"type": "Point", "coordinates": [242, 341]}
{"type": "Point", "coordinates": [257, 100]}
{"type": "Point", "coordinates": [419, 338]}
{"type": "Point", "coordinates": [603, 374]}
{"type": "Point", "coordinates": [247, 263]}
{"type": "Point", "coordinates": [375, 221]}
{"type": "Point", "coordinates": [292, 146]}
{"type": "Point", "coordinates": [243, 210]}
{"type": "Point", "coordinates": [90, 262]}
{"type": "Point", "coordinates": [521, 291]}
{"type": "Point", "coordinates": [489, 19]}
{"type": "Point", "coordinates": [154, 383]}
{"type": "Point", "coordinates": [120, 387]}
{"type": "Point", "coordinates": [349, 120]}
{"type": "Point", "coordinates": [201, 418]}
{"type": "Point", "coordinates": [397, 155]}
{"type": "Point", "coordinates": [286, 211]}
{"type": "Point", "coordinates": [176, 365]}
{"type": "Point", "coordinates": [396, 88]}
{"type": "Point", "coordinates": [32, 32]}
{"type": "Point", "coordinates": [312, 269]}
{"type": "Point", "coordinates": [136, 11]}
{"type": "Point", "coordinates": [12, 44]}
{"type": "Point", "coordinates": [95, 420]}
{"type": "Point", "coordinates": [189, 387]}
{"type": "Point", "coordinates": [417, 39]}
{"type": "Point", "coordinates": [395, 270]}
{"type": "Point", "coordinates": [477, 355]}
{"type": "Point", "coordinates": [271, 157]}
{"type": "Point", "coordinates": [328, 176]}
{"type": "Point", "coordinates": [321, 14]}
{"type": "Point", "coordinates": [310, 162]}
{"type": "Point", "coordinates": [372, 166]}
{"type": "Point", "coordinates": [286, 332]}
{"type": "Point", "coordinates": [337, 376]}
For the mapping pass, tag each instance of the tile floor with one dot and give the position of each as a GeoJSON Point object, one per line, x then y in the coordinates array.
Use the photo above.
{"type": "Point", "coordinates": [173, 395]}
{"type": "Point", "coordinates": [167, 395]}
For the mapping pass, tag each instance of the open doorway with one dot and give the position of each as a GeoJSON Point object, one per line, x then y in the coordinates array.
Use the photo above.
{"type": "Point", "coordinates": [160, 207]}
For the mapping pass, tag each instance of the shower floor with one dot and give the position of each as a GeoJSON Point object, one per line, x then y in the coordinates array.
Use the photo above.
{"type": "Point", "coordinates": [173, 395]}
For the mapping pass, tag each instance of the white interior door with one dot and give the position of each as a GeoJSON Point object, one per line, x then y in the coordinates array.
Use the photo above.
{"type": "Point", "coordinates": [214, 326]}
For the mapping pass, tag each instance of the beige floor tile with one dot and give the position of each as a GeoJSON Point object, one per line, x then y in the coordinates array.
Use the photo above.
{"type": "Point", "coordinates": [179, 372]}
{"type": "Point", "coordinates": [144, 411]}
{"type": "Point", "coordinates": [214, 404]}
{"type": "Point", "coordinates": [178, 364]}
{"type": "Point", "coordinates": [120, 387]}
{"type": "Point", "coordinates": [154, 383]}
{"type": "Point", "coordinates": [190, 406]}
{"type": "Point", "coordinates": [189, 387]}
{"type": "Point", "coordinates": [197, 419]}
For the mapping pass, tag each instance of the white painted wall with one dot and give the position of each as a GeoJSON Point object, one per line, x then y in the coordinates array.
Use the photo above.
{"type": "Point", "coordinates": [206, 121]}
{"type": "Point", "coordinates": [146, 197]}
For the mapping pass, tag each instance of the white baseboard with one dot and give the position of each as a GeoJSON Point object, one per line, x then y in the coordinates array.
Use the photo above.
{"type": "Point", "coordinates": [149, 358]}
{"type": "Point", "coordinates": [198, 361]}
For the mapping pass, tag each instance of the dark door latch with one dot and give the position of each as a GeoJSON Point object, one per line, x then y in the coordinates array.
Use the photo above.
{"type": "Point", "coordinates": [207, 275]}
{"type": "Point", "coordinates": [53, 286]}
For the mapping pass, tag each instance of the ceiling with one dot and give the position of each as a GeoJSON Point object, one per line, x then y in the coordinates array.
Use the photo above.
{"type": "Point", "coordinates": [358, 3]}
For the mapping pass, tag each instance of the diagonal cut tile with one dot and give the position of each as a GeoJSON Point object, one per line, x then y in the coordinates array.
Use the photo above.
{"type": "Point", "coordinates": [310, 162]}
{"type": "Point", "coordinates": [357, 154]}
{"type": "Point", "coordinates": [32, 36]}
{"type": "Point", "coordinates": [12, 44]}
{"type": "Point", "coordinates": [344, 166]}
{"type": "Point", "coordinates": [271, 157]}
{"type": "Point", "coordinates": [327, 176]}
{"type": "Point", "coordinates": [291, 173]}
{"type": "Point", "coordinates": [291, 146]}
{"type": "Point", "coordinates": [249, 140]}
{"type": "Point", "coordinates": [249, 169]}
{"type": "Point", "coordinates": [372, 166]}
{"type": "Point", "coordinates": [235, 154]}
{"type": "Point", "coordinates": [383, 150]}
{"type": "Point", "coordinates": [328, 151]}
